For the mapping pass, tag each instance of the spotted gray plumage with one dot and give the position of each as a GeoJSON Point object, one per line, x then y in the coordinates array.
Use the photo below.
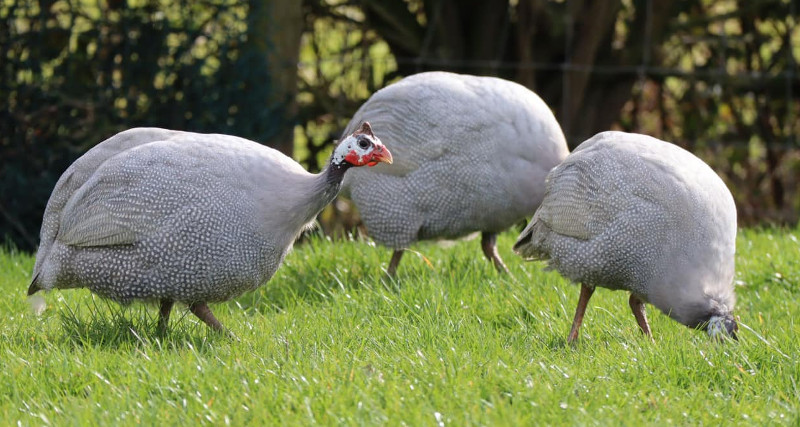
{"type": "Point", "coordinates": [153, 214]}
{"type": "Point", "coordinates": [471, 154]}
{"type": "Point", "coordinates": [631, 212]}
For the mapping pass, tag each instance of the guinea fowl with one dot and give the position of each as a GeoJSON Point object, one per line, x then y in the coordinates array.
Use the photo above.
{"type": "Point", "coordinates": [631, 212]}
{"type": "Point", "coordinates": [160, 215]}
{"type": "Point", "coordinates": [471, 154]}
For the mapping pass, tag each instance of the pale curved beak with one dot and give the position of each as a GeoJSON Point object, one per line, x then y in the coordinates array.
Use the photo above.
{"type": "Point", "coordinates": [380, 154]}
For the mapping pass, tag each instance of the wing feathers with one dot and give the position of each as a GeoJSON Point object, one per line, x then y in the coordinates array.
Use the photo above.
{"type": "Point", "coordinates": [573, 204]}
{"type": "Point", "coordinates": [110, 209]}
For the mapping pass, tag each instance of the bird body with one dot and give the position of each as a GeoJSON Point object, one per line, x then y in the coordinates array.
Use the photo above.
{"type": "Point", "coordinates": [153, 214]}
{"type": "Point", "coordinates": [471, 154]}
{"type": "Point", "coordinates": [630, 212]}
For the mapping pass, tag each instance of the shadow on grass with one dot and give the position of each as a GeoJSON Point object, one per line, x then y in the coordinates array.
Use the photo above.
{"type": "Point", "coordinates": [109, 325]}
{"type": "Point", "coordinates": [295, 285]}
{"type": "Point", "coordinates": [318, 270]}
{"type": "Point", "coordinates": [303, 281]}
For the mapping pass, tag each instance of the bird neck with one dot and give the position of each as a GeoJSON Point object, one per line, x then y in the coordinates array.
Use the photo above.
{"type": "Point", "coordinates": [333, 174]}
{"type": "Point", "coordinates": [326, 186]}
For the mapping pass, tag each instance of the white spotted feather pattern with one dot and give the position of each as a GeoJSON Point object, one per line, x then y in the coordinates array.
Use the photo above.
{"type": "Point", "coordinates": [627, 211]}
{"type": "Point", "coordinates": [470, 154]}
{"type": "Point", "coordinates": [153, 214]}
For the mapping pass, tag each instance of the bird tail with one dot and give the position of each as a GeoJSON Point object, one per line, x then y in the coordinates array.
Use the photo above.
{"type": "Point", "coordinates": [529, 244]}
{"type": "Point", "coordinates": [34, 287]}
{"type": "Point", "coordinates": [523, 240]}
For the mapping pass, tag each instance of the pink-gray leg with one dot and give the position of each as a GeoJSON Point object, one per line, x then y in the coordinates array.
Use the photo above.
{"type": "Point", "coordinates": [637, 306]}
{"type": "Point", "coordinates": [489, 246]}
{"type": "Point", "coordinates": [392, 270]}
{"type": "Point", "coordinates": [163, 315]}
{"type": "Point", "coordinates": [583, 301]}
{"type": "Point", "coordinates": [201, 310]}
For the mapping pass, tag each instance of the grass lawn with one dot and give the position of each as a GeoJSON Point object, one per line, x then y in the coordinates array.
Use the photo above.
{"type": "Point", "coordinates": [329, 340]}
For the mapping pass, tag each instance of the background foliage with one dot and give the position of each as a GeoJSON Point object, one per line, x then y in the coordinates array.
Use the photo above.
{"type": "Point", "coordinates": [718, 77]}
{"type": "Point", "coordinates": [75, 73]}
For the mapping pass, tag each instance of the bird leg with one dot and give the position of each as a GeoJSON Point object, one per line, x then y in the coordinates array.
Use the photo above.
{"type": "Point", "coordinates": [489, 246]}
{"type": "Point", "coordinates": [637, 306]}
{"type": "Point", "coordinates": [163, 315]}
{"type": "Point", "coordinates": [201, 310]}
{"type": "Point", "coordinates": [398, 253]}
{"type": "Point", "coordinates": [583, 301]}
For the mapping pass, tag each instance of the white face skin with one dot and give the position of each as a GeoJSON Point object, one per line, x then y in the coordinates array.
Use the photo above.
{"type": "Point", "coordinates": [356, 149]}
{"type": "Point", "coordinates": [717, 329]}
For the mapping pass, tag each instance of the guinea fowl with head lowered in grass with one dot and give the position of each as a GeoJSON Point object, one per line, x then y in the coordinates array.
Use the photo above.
{"type": "Point", "coordinates": [168, 216]}
{"type": "Point", "coordinates": [631, 212]}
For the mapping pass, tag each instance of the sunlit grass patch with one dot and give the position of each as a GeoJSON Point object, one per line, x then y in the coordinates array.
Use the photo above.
{"type": "Point", "coordinates": [330, 339]}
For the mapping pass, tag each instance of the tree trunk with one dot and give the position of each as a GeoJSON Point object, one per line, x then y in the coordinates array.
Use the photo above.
{"type": "Point", "coordinates": [274, 30]}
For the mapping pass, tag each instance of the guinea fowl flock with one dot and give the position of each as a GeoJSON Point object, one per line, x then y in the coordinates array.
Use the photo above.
{"type": "Point", "coordinates": [169, 216]}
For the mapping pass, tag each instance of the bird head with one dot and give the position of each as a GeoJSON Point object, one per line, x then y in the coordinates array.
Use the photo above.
{"type": "Point", "coordinates": [719, 327]}
{"type": "Point", "coordinates": [361, 148]}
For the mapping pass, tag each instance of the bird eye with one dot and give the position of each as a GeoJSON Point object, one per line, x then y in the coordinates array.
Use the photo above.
{"type": "Point", "coordinates": [363, 143]}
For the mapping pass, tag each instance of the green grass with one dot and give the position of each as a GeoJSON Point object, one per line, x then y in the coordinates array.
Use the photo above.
{"type": "Point", "coordinates": [328, 340]}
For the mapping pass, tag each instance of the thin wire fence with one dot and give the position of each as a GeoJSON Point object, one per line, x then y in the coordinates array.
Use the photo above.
{"type": "Point", "coordinates": [647, 68]}
{"type": "Point", "coordinates": [737, 108]}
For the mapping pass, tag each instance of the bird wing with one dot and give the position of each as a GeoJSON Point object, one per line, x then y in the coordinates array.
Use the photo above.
{"type": "Point", "coordinates": [121, 201]}
{"type": "Point", "coordinates": [84, 168]}
{"type": "Point", "coordinates": [574, 204]}
{"type": "Point", "coordinates": [151, 189]}
{"type": "Point", "coordinates": [79, 173]}
{"type": "Point", "coordinates": [105, 211]}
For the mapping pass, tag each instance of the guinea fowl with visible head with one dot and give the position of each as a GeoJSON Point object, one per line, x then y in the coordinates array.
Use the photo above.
{"type": "Point", "coordinates": [471, 154]}
{"type": "Point", "coordinates": [160, 215]}
{"type": "Point", "coordinates": [631, 212]}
